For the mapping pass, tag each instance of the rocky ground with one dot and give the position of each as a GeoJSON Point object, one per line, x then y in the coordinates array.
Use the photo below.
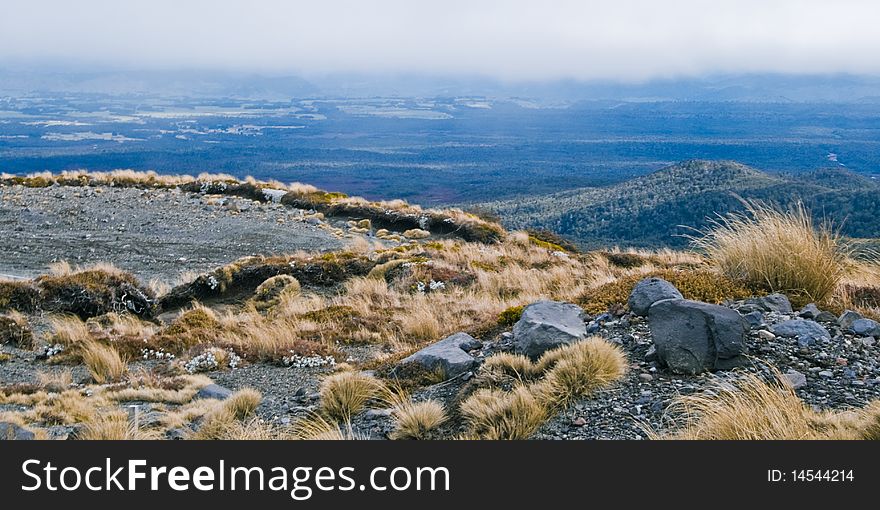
{"type": "Point", "coordinates": [156, 233]}
{"type": "Point", "coordinates": [832, 361]}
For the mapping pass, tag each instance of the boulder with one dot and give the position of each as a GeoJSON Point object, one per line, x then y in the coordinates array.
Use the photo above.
{"type": "Point", "coordinates": [772, 303]}
{"type": "Point", "coordinates": [847, 318]}
{"type": "Point", "coordinates": [649, 291]}
{"type": "Point", "coordinates": [545, 325]}
{"type": "Point", "coordinates": [806, 332]}
{"type": "Point", "coordinates": [692, 337]}
{"type": "Point", "coordinates": [865, 327]}
{"type": "Point", "coordinates": [12, 432]}
{"type": "Point", "coordinates": [214, 391]}
{"type": "Point", "coordinates": [448, 355]}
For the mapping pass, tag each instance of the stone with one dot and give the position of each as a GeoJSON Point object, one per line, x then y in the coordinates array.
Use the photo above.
{"type": "Point", "coordinates": [12, 432]}
{"type": "Point", "coordinates": [214, 391]}
{"type": "Point", "coordinates": [765, 335]}
{"type": "Point", "coordinates": [811, 311]}
{"type": "Point", "coordinates": [755, 319]}
{"type": "Point", "coordinates": [772, 303]}
{"type": "Point", "coordinates": [693, 337]}
{"type": "Point", "coordinates": [649, 291]}
{"type": "Point", "coordinates": [794, 379]}
{"type": "Point", "coordinates": [579, 421]}
{"type": "Point", "coordinates": [827, 374]}
{"type": "Point", "coordinates": [545, 325]}
{"type": "Point", "coordinates": [826, 317]}
{"type": "Point", "coordinates": [806, 332]}
{"type": "Point", "coordinates": [847, 318]}
{"type": "Point", "coordinates": [865, 327]}
{"type": "Point", "coordinates": [449, 356]}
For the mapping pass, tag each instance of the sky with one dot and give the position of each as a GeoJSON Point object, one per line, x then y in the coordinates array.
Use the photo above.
{"type": "Point", "coordinates": [627, 40]}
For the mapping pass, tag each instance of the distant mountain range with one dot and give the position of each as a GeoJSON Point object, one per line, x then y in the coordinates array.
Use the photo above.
{"type": "Point", "coordinates": [762, 88]}
{"type": "Point", "coordinates": [659, 208]}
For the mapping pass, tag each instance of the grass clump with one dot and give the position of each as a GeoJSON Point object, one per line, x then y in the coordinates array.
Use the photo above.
{"type": "Point", "coordinates": [780, 251]}
{"type": "Point", "coordinates": [540, 388]}
{"type": "Point", "coordinates": [103, 362]}
{"type": "Point", "coordinates": [416, 420]}
{"type": "Point", "coordinates": [497, 414]}
{"type": "Point", "coordinates": [219, 422]}
{"type": "Point", "coordinates": [346, 393]}
{"type": "Point", "coordinates": [198, 325]}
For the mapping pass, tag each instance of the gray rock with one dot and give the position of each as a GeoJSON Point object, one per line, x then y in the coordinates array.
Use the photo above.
{"type": "Point", "coordinates": [847, 318]}
{"type": "Point", "coordinates": [865, 327]}
{"type": "Point", "coordinates": [649, 291]}
{"type": "Point", "coordinates": [811, 311]}
{"type": "Point", "coordinates": [772, 303]}
{"type": "Point", "coordinates": [794, 379]}
{"type": "Point", "coordinates": [826, 317]}
{"type": "Point", "coordinates": [448, 355]}
{"type": "Point", "coordinates": [214, 391]}
{"type": "Point", "coordinates": [12, 432]}
{"type": "Point", "coordinates": [827, 374]}
{"type": "Point", "coordinates": [754, 319]}
{"type": "Point", "coordinates": [693, 337]}
{"type": "Point", "coordinates": [545, 325]}
{"type": "Point", "coordinates": [765, 335]}
{"type": "Point", "coordinates": [807, 332]}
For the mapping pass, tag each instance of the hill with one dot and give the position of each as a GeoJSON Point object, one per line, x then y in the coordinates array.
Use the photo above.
{"type": "Point", "coordinates": [660, 208]}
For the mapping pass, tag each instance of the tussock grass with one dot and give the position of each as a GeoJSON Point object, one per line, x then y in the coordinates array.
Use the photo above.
{"type": "Point", "coordinates": [218, 422]}
{"type": "Point", "coordinates": [55, 381]}
{"type": "Point", "coordinates": [103, 362]}
{"type": "Point", "coordinates": [345, 394]}
{"type": "Point", "coordinates": [15, 330]}
{"type": "Point", "coordinates": [498, 414]}
{"type": "Point", "coordinates": [778, 250]}
{"type": "Point", "coordinates": [316, 427]}
{"type": "Point", "coordinates": [541, 388]}
{"type": "Point", "coordinates": [753, 409]}
{"type": "Point", "coordinates": [114, 426]}
{"type": "Point", "coordinates": [416, 420]}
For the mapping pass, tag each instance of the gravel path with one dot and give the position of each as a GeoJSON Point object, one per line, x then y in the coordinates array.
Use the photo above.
{"type": "Point", "coordinates": [151, 233]}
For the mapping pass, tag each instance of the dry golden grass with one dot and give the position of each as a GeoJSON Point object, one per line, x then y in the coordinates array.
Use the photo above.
{"type": "Point", "coordinates": [178, 390]}
{"type": "Point", "coordinates": [498, 414]}
{"type": "Point", "coordinates": [559, 377]}
{"type": "Point", "coordinates": [780, 251]}
{"type": "Point", "coordinates": [103, 362]}
{"type": "Point", "coordinates": [753, 409]}
{"type": "Point", "coordinates": [581, 369]}
{"type": "Point", "coordinates": [315, 427]}
{"type": "Point", "coordinates": [345, 394]}
{"type": "Point", "coordinates": [114, 426]}
{"type": "Point", "coordinates": [416, 420]}
{"type": "Point", "coordinates": [55, 381]}
{"type": "Point", "coordinates": [218, 422]}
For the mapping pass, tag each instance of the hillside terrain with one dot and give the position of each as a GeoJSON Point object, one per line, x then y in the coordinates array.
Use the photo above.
{"type": "Point", "coordinates": [213, 308]}
{"type": "Point", "coordinates": [662, 208]}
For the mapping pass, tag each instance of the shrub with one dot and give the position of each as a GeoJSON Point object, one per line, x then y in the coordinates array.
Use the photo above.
{"type": "Point", "coordinates": [18, 295]}
{"type": "Point", "coordinates": [510, 316]}
{"type": "Point", "coordinates": [92, 292]}
{"type": "Point", "coordinates": [15, 330]}
{"type": "Point", "coordinates": [273, 290]}
{"type": "Point", "coordinates": [779, 251]}
{"type": "Point", "coordinates": [195, 326]}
